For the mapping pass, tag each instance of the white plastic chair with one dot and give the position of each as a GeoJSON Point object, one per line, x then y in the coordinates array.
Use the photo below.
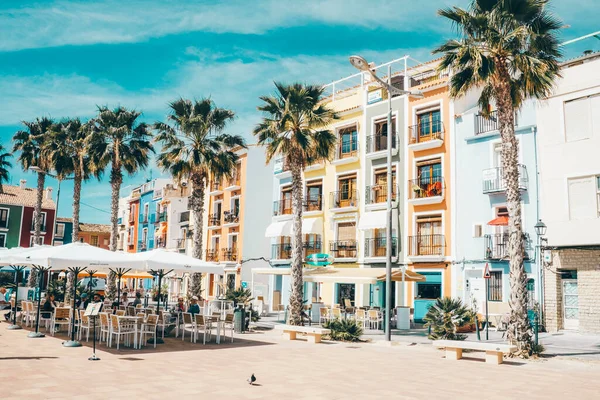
{"type": "Point", "coordinates": [201, 322]}
{"type": "Point", "coordinates": [149, 327]}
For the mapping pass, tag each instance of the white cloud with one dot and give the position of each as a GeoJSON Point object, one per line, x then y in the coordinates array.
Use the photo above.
{"type": "Point", "coordinates": [116, 21]}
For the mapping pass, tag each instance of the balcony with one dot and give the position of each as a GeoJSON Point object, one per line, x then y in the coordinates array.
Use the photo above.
{"type": "Point", "coordinates": [427, 247]}
{"type": "Point", "coordinates": [315, 166]}
{"type": "Point", "coordinates": [215, 189]}
{"type": "Point", "coordinates": [161, 242]}
{"type": "Point", "coordinates": [281, 168]}
{"type": "Point", "coordinates": [214, 221]}
{"type": "Point", "coordinates": [231, 218]}
{"type": "Point", "coordinates": [426, 190]}
{"type": "Point", "coordinates": [281, 251]}
{"type": "Point", "coordinates": [212, 255]}
{"type": "Point", "coordinates": [496, 246]}
{"type": "Point", "coordinates": [426, 135]}
{"type": "Point", "coordinates": [229, 254]}
{"type": "Point", "coordinates": [427, 78]}
{"type": "Point", "coordinates": [346, 153]}
{"type": "Point", "coordinates": [345, 200]}
{"type": "Point", "coordinates": [163, 216]}
{"type": "Point", "coordinates": [233, 183]}
{"type": "Point", "coordinates": [282, 207]}
{"type": "Point", "coordinates": [376, 144]}
{"type": "Point", "coordinates": [377, 194]}
{"type": "Point", "coordinates": [485, 124]}
{"type": "Point", "coordinates": [312, 204]}
{"type": "Point", "coordinates": [311, 248]}
{"type": "Point", "coordinates": [180, 243]}
{"type": "Point", "coordinates": [343, 248]}
{"type": "Point", "coordinates": [143, 219]}
{"type": "Point", "coordinates": [494, 182]}
{"type": "Point", "coordinates": [376, 247]}
{"type": "Point", "coordinates": [142, 246]}
{"type": "Point", "coordinates": [184, 216]}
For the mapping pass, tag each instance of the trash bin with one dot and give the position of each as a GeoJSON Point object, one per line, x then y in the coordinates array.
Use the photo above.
{"type": "Point", "coordinates": [239, 319]}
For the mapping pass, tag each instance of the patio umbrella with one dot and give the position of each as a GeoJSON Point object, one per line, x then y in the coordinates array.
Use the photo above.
{"type": "Point", "coordinates": [76, 258]}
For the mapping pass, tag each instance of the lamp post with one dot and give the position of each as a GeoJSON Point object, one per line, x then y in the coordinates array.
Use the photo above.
{"type": "Point", "coordinates": [362, 65]}
{"type": "Point", "coordinates": [540, 231]}
{"type": "Point", "coordinates": [60, 179]}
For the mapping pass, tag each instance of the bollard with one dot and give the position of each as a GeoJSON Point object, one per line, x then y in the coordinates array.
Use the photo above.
{"type": "Point", "coordinates": [535, 328]}
{"type": "Point", "coordinates": [477, 328]}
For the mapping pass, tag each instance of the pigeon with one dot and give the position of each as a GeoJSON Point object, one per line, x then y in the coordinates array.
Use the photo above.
{"type": "Point", "coordinates": [252, 379]}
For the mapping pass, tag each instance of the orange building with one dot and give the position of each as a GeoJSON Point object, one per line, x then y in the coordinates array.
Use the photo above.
{"type": "Point", "coordinates": [95, 234]}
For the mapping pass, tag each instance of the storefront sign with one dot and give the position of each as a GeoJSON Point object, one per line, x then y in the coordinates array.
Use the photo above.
{"type": "Point", "coordinates": [278, 165]}
{"type": "Point", "coordinates": [319, 259]}
{"type": "Point", "coordinates": [374, 96]}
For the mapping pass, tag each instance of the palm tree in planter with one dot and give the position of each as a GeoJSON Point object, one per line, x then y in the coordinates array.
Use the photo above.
{"type": "Point", "coordinates": [509, 50]}
{"type": "Point", "coordinates": [5, 165]}
{"type": "Point", "coordinates": [294, 127]}
{"type": "Point", "coordinates": [195, 148]}
{"type": "Point", "coordinates": [118, 140]}
{"type": "Point", "coordinates": [28, 143]}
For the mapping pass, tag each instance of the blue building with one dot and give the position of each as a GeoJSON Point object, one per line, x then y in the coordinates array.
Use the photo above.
{"type": "Point", "coordinates": [481, 214]}
{"type": "Point", "coordinates": [149, 215]}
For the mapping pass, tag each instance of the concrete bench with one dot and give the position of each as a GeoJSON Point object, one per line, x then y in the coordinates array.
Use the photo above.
{"type": "Point", "coordinates": [314, 333]}
{"type": "Point", "coordinates": [493, 351]}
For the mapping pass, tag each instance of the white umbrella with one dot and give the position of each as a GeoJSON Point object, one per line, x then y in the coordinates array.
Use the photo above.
{"type": "Point", "coordinates": [160, 259]}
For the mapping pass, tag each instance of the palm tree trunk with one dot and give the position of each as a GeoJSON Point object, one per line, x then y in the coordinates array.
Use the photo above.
{"type": "Point", "coordinates": [41, 179]}
{"type": "Point", "coordinates": [116, 179]}
{"type": "Point", "coordinates": [76, 206]}
{"type": "Point", "coordinates": [297, 295]}
{"type": "Point", "coordinates": [198, 208]}
{"type": "Point", "coordinates": [69, 287]}
{"type": "Point", "coordinates": [1, 188]}
{"type": "Point", "coordinates": [519, 331]}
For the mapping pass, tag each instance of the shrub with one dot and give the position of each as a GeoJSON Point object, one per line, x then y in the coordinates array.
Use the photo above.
{"type": "Point", "coordinates": [445, 317]}
{"type": "Point", "coordinates": [239, 296]}
{"type": "Point", "coordinates": [346, 330]}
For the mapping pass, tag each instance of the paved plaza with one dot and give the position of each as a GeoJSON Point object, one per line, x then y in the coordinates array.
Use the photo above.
{"type": "Point", "coordinates": [42, 368]}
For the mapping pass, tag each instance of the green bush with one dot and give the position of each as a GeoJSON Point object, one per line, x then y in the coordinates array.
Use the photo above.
{"type": "Point", "coordinates": [345, 330]}
{"type": "Point", "coordinates": [239, 296]}
{"type": "Point", "coordinates": [445, 317]}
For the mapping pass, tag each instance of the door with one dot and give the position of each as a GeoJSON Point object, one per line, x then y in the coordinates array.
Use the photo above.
{"type": "Point", "coordinates": [476, 293]}
{"type": "Point", "coordinates": [429, 230]}
{"type": "Point", "coordinates": [571, 304]}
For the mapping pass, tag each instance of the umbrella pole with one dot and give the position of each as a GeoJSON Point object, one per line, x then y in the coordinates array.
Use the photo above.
{"type": "Point", "coordinates": [73, 342]}
{"type": "Point", "coordinates": [37, 333]}
{"type": "Point", "coordinates": [14, 325]}
{"type": "Point", "coordinates": [158, 274]}
{"type": "Point", "coordinates": [118, 275]}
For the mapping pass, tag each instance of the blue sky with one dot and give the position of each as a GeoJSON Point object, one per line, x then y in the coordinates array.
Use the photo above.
{"type": "Point", "coordinates": [62, 58]}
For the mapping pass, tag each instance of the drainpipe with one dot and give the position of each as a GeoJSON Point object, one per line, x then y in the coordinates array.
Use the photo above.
{"type": "Point", "coordinates": [537, 202]}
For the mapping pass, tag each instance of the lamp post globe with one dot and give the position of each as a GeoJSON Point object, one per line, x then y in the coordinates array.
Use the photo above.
{"type": "Point", "coordinates": [540, 228]}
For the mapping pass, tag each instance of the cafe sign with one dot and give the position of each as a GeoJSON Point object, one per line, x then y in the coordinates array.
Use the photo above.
{"type": "Point", "coordinates": [319, 259]}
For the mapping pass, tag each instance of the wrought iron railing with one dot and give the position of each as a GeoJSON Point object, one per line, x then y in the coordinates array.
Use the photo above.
{"type": "Point", "coordinates": [494, 180]}
{"type": "Point", "coordinates": [422, 188]}
{"type": "Point", "coordinates": [379, 143]}
{"type": "Point", "coordinates": [485, 124]}
{"type": "Point", "coordinates": [496, 246]}
{"type": "Point", "coordinates": [229, 254]}
{"type": "Point", "coordinates": [212, 255]}
{"type": "Point", "coordinates": [231, 217]}
{"type": "Point", "coordinates": [378, 194]}
{"type": "Point", "coordinates": [161, 242]}
{"type": "Point", "coordinates": [281, 251]}
{"type": "Point", "coordinates": [426, 131]}
{"type": "Point", "coordinates": [344, 198]}
{"type": "Point", "coordinates": [216, 187]}
{"type": "Point", "coordinates": [142, 246]}
{"type": "Point", "coordinates": [347, 149]}
{"type": "Point", "coordinates": [163, 216]}
{"type": "Point", "coordinates": [311, 248]}
{"type": "Point", "coordinates": [343, 248]}
{"type": "Point", "coordinates": [426, 245]}
{"type": "Point", "coordinates": [376, 247]}
{"type": "Point", "coordinates": [313, 203]}
{"type": "Point", "coordinates": [282, 207]}
{"type": "Point", "coordinates": [214, 220]}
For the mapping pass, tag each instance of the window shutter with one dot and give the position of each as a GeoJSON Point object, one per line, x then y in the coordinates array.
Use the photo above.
{"type": "Point", "coordinates": [578, 119]}
{"type": "Point", "coordinates": [582, 202]}
{"type": "Point", "coordinates": [346, 231]}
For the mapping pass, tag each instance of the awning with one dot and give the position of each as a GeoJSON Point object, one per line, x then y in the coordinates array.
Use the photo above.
{"type": "Point", "coordinates": [376, 220]}
{"type": "Point", "coordinates": [344, 275]}
{"type": "Point", "coordinates": [131, 274]}
{"type": "Point", "coordinates": [500, 221]}
{"type": "Point", "coordinates": [277, 229]}
{"type": "Point", "coordinates": [409, 276]}
{"type": "Point", "coordinates": [161, 231]}
{"type": "Point", "coordinates": [312, 225]}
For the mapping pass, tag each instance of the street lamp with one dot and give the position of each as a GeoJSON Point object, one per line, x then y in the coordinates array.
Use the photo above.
{"type": "Point", "coordinates": [540, 231]}
{"type": "Point", "coordinates": [362, 65]}
{"type": "Point", "coordinates": [37, 169]}
{"type": "Point", "coordinates": [540, 228]}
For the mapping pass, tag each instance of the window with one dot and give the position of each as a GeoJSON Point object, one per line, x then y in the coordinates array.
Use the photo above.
{"type": "Point", "coordinates": [4, 218]}
{"type": "Point", "coordinates": [430, 124]}
{"type": "Point", "coordinates": [582, 204]}
{"type": "Point", "coordinates": [2, 239]}
{"type": "Point", "coordinates": [235, 205]}
{"type": "Point", "coordinates": [183, 233]}
{"type": "Point", "coordinates": [60, 230]}
{"type": "Point", "coordinates": [146, 209]}
{"type": "Point", "coordinates": [429, 171]}
{"type": "Point", "coordinates": [495, 286]}
{"type": "Point", "coordinates": [144, 236]}
{"type": "Point", "coordinates": [285, 205]}
{"type": "Point", "coordinates": [429, 290]}
{"type": "Point", "coordinates": [429, 240]}
{"type": "Point", "coordinates": [314, 193]}
{"type": "Point", "coordinates": [347, 187]}
{"type": "Point", "coordinates": [381, 126]}
{"type": "Point", "coordinates": [105, 241]}
{"type": "Point", "coordinates": [32, 240]}
{"type": "Point", "coordinates": [477, 230]}
{"type": "Point", "coordinates": [579, 119]}
{"type": "Point", "coordinates": [43, 225]}
{"type": "Point", "coordinates": [94, 240]}
{"type": "Point", "coordinates": [379, 188]}
{"type": "Point", "coordinates": [130, 236]}
{"type": "Point", "coordinates": [348, 141]}
{"type": "Point", "coordinates": [58, 242]}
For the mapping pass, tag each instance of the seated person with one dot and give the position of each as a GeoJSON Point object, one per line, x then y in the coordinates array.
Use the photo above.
{"type": "Point", "coordinates": [194, 308]}
{"type": "Point", "coordinates": [179, 307]}
{"type": "Point", "coordinates": [4, 303]}
{"type": "Point", "coordinates": [48, 306]}
{"type": "Point", "coordinates": [83, 301]}
{"type": "Point", "coordinates": [124, 300]}
{"type": "Point", "coordinates": [138, 299]}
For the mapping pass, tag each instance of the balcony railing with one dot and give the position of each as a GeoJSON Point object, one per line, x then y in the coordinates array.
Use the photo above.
{"type": "Point", "coordinates": [378, 194]}
{"type": "Point", "coordinates": [344, 198]}
{"type": "Point", "coordinates": [347, 150]}
{"type": "Point", "coordinates": [214, 220]}
{"type": "Point", "coordinates": [282, 207]}
{"type": "Point", "coordinates": [427, 77]}
{"type": "Point", "coordinates": [426, 245]}
{"type": "Point", "coordinates": [343, 248]}
{"type": "Point", "coordinates": [311, 248]}
{"type": "Point", "coordinates": [231, 217]}
{"type": "Point", "coordinates": [422, 188]}
{"type": "Point", "coordinates": [161, 242]}
{"type": "Point", "coordinates": [486, 124]}
{"type": "Point", "coordinates": [313, 203]}
{"type": "Point", "coordinates": [180, 243]}
{"type": "Point", "coordinates": [281, 166]}
{"type": "Point", "coordinates": [376, 247]}
{"type": "Point", "coordinates": [426, 131]}
{"type": "Point", "coordinates": [216, 187]}
{"type": "Point", "coordinates": [229, 254]}
{"type": "Point", "coordinates": [281, 251]}
{"type": "Point", "coordinates": [379, 143]}
{"type": "Point", "coordinates": [163, 216]}
{"type": "Point", "coordinates": [142, 246]}
{"type": "Point", "coordinates": [184, 216]}
{"type": "Point", "coordinates": [496, 246]}
{"type": "Point", "coordinates": [212, 255]}
{"type": "Point", "coordinates": [234, 181]}
{"type": "Point", "coordinates": [493, 179]}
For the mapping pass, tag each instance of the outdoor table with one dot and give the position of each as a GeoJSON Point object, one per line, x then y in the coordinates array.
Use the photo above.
{"type": "Point", "coordinates": [220, 323]}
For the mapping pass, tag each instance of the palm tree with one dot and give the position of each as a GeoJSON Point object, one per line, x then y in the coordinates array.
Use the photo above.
{"type": "Point", "coordinates": [509, 50]}
{"type": "Point", "coordinates": [5, 165]}
{"type": "Point", "coordinates": [29, 143]}
{"type": "Point", "coordinates": [67, 152]}
{"type": "Point", "coordinates": [120, 140]}
{"type": "Point", "coordinates": [294, 127]}
{"type": "Point", "coordinates": [194, 147]}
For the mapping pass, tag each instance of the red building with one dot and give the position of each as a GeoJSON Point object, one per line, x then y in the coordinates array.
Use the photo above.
{"type": "Point", "coordinates": [26, 197]}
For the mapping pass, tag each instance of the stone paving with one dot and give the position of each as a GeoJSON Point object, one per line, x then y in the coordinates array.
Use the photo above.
{"type": "Point", "coordinates": [42, 368]}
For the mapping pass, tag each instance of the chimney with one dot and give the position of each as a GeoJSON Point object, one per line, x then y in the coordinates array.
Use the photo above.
{"type": "Point", "coordinates": [22, 183]}
{"type": "Point", "coordinates": [49, 193]}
